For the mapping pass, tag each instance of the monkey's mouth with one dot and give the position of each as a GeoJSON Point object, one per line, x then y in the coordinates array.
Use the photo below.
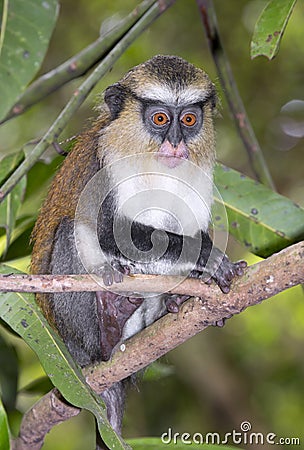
{"type": "Point", "coordinates": [172, 156]}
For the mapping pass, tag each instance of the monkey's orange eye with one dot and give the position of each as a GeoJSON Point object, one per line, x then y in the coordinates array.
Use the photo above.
{"type": "Point", "coordinates": [189, 119]}
{"type": "Point", "coordinates": [160, 118]}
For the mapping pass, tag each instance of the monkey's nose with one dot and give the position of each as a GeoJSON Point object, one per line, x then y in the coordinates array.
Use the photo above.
{"type": "Point", "coordinates": [174, 135]}
{"type": "Point", "coordinates": [172, 156]}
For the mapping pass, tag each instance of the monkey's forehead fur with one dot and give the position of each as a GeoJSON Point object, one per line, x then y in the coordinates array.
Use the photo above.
{"type": "Point", "coordinates": [170, 79]}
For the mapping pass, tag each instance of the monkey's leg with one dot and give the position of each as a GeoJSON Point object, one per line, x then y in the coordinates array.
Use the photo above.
{"type": "Point", "coordinates": [114, 398]}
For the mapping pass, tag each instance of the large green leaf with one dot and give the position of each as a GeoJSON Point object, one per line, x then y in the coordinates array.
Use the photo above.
{"type": "Point", "coordinates": [26, 30]}
{"type": "Point", "coordinates": [8, 374]}
{"type": "Point", "coordinates": [270, 27]}
{"type": "Point", "coordinates": [9, 207]}
{"type": "Point", "coordinates": [23, 315]}
{"type": "Point", "coordinates": [262, 220]}
{"type": "Point", "coordinates": [4, 431]}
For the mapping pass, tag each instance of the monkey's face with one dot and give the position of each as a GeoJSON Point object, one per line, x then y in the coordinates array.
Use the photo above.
{"type": "Point", "coordinates": [173, 127]}
{"type": "Point", "coordinates": [163, 106]}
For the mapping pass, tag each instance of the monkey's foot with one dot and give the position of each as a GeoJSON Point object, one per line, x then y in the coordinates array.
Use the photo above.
{"type": "Point", "coordinates": [173, 302]}
{"type": "Point", "coordinates": [113, 312]}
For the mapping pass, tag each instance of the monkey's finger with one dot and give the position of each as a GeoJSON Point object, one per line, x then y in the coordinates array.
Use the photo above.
{"type": "Point", "coordinates": [107, 278]}
{"type": "Point", "coordinates": [118, 276]}
{"type": "Point", "coordinates": [240, 267]}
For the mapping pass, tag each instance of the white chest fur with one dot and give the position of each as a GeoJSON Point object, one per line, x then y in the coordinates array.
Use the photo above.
{"type": "Point", "coordinates": [172, 199]}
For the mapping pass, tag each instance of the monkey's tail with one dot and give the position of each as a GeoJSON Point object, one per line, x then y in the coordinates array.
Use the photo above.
{"type": "Point", "coordinates": [114, 398]}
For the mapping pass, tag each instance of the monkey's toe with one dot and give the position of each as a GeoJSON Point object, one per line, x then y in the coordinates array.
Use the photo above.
{"type": "Point", "coordinates": [173, 302]}
{"type": "Point", "coordinates": [220, 323]}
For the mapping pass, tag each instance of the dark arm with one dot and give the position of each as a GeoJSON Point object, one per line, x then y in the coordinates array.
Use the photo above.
{"type": "Point", "coordinates": [143, 249]}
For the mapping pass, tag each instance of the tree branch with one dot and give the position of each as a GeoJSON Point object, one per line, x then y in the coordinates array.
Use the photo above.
{"type": "Point", "coordinates": [239, 114]}
{"type": "Point", "coordinates": [49, 411]}
{"type": "Point", "coordinates": [160, 283]}
{"type": "Point", "coordinates": [261, 281]}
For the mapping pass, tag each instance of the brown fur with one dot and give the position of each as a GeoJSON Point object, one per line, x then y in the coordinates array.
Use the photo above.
{"type": "Point", "coordinates": [78, 168]}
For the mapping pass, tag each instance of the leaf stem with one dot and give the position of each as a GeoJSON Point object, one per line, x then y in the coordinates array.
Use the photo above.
{"type": "Point", "coordinates": [244, 127]}
{"type": "Point", "coordinates": [77, 65]}
{"type": "Point", "coordinates": [3, 23]}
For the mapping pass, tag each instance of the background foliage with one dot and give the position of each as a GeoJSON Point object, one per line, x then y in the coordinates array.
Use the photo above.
{"type": "Point", "coordinates": [253, 368]}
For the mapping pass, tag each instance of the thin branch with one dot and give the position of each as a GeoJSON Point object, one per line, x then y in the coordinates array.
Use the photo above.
{"type": "Point", "coordinates": [77, 65]}
{"type": "Point", "coordinates": [158, 283]}
{"type": "Point", "coordinates": [82, 92]}
{"type": "Point", "coordinates": [245, 130]}
{"type": "Point", "coordinates": [261, 281]}
{"type": "Point", "coordinates": [92, 283]}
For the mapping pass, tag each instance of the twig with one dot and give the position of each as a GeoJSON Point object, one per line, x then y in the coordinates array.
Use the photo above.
{"type": "Point", "coordinates": [245, 130]}
{"type": "Point", "coordinates": [77, 65]}
{"type": "Point", "coordinates": [261, 281]}
{"type": "Point", "coordinates": [159, 283]}
{"type": "Point", "coordinates": [80, 94]}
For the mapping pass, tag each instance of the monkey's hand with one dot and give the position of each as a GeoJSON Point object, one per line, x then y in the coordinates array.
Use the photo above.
{"type": "Point", "coordinates": [114, 272]}
{"type": "Point", "coordinates": [219, 269]}
{"type": "Point", "coordinates": [226, 272]}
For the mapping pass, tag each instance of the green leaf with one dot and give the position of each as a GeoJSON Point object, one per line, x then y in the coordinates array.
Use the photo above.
{"type": "Point", "coordinates": [26, 30]}
{"type": "Point", "coordinates": [4, 430]}
{"type": "Point", "coordinates": [270, 27]}
{"type": "Point", "coordinates": [21, 312]}
{"type": "Point", "coordinates": [39, 386]}
{"type": "Point", "coordinates": [21, 226]}
{"type": "Point", "coordinates": [176, 442]}
{"type": "Point", "coordinates": [264, 221]}
{"type": "Point", "coordinates": [8, 374]}
{"type": "Point", "coordinates": [9, 207]}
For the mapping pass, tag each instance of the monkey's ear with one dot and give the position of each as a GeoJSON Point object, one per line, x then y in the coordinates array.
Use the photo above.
{"type": "Point", "coordinates": [115, 97]}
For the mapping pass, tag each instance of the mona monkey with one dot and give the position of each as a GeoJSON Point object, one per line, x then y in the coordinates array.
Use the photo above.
{"type": "Point", "coordinates": [161, 111]}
